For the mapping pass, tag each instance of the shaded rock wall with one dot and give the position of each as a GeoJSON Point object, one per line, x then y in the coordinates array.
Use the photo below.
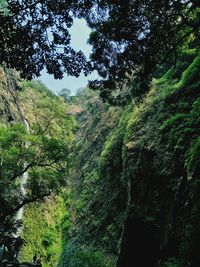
{"type": "Point", "coordinates": [9, 85]}
{"type": "Point", "coordinates": [136, 188]}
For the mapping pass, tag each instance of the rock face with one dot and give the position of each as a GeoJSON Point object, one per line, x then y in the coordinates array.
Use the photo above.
{"type": "Point", "coordinates": [162, 162]}
{"type": "Point", "coordinates": [91, 209]}
{"type": "Point", "coordinates": [136, 180]}
{"type": "Point", "coordinates": [9, 85]}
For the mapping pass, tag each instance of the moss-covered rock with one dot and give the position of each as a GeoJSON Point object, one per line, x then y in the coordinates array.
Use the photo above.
{"type": "Point", "coordinates": [44, 227]}
{"type": "Point", "coordinates": [10, 110]}
{"type": "Point", "coordinates": [136, 179]}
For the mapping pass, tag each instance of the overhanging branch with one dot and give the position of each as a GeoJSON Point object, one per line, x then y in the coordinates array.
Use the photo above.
{"type": "Point", "coordinates": [25, 202]}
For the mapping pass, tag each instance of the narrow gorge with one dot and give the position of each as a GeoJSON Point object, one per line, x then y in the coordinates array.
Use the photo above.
{"type": "Point", "coordinates": [132, 188]}
{"type": "Point", "coordinates": [107, 175]}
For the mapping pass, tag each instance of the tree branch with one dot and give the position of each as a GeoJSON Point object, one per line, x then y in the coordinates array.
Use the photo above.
{"type": "Point", "coordinates": [196, 27]}
{"type": "Point", "coordinates": [25, 202]}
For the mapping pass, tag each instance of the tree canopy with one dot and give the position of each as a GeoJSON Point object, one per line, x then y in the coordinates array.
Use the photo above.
{"type": "Point", "coordinates": [136, 37]}
{"type": "Point", "coordinates": [34, 35]}
{"type": "Point", "coordinates": [129, 38]}
{"type": "Point", "coordinates": [65, 93]}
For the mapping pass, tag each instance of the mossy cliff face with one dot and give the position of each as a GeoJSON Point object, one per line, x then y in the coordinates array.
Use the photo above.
{"type": "Point", "coordinates": [160, 164]}
{"type": "Point", "coordinates": [44, 226]}
{"type": "Point", "coordinates": [136, 180]}
{"type": "Point", "coordinates": [9, 86]}
{"type": "Point", "coordinates": [92, 237]}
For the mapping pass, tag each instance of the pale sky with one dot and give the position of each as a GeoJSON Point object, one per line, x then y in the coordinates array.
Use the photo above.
{"type": "Point", "coordinates": [79, 36]}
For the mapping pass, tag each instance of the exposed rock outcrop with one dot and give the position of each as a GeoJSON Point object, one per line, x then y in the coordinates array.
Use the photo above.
{"type": "Point", "coordinates": [9, 85]}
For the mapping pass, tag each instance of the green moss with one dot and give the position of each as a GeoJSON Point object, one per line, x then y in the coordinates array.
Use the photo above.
{"type": "Point", "coordinates": [90, 259]}
{"type": "Point", "coordinates": [45, 225]}
{"type": "Point", "coordinates": [168, 74]}
{"type": "Point", "coordinates": [193, 158]}
{"type": "Point", "coordinates": [173, 262]}
{"type": "Point", "coordinates": [190, 73]}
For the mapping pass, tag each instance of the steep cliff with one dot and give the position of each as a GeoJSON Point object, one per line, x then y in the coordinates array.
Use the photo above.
{"type": "Point", "coordinates": [136, 179]}
{"type": "Point", "coordinates": [9, 86]}
{"type": "Point", "coordinates": [161, 163]}
{"type": "Point", "coordinates": [91, 211]}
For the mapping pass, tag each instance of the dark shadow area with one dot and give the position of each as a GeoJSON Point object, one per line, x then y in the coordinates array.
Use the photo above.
{"type": "Point", "coordinates": [139, 247]}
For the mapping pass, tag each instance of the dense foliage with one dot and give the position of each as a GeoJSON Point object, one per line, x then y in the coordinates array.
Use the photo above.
{"type": "Point", "coordinates": [129, 38]}
{"type": "Point", "coordinates": [35, 35]}
{"type": "Point", "coordinates": [135, 37]}
{"type": "Point", "coordinates": [42, 151]}
{"type": "Point", "coordinates": [133, 188]}
{"type": "Point", "coordinates": [89, 234]}
{"type": "Point", "coordinates": [45, 230]}
{"type": "Point", "coordinates": [136, 175]}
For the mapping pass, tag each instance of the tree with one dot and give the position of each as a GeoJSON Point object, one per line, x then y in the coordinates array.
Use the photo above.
{"type": "Point", "coordinates": [44, 153]}
{"type": "Point", "coordinates": [135, 37]}
{"type": "Point", "coordinates": [35, 35]}
{"type": "Point", "coordinates": [3, 7]}
{"type": "Point", "coordinates": [46, 159]}
{"type": "Point", "coordinates": [65, 93]}
{"type": "Point", "coordinates": [129, 38]}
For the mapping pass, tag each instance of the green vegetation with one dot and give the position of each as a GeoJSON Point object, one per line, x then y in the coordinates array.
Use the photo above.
{"type": "Point", "coordinates": [129, 41]}
{"type": "Point", "coordinates": [42, 150]}
{"type": "Point", "coordinates": [90, 259]}
{"type": "Point", "coordinates": [140, 164]}
{"type": "Point", "coordinates": [45, 228]}
{"type": "Point", "coordinates": [111, 183]}
{"type": "Point", "coordinates": [47, 224]}
{"type": "Point", "coordinates": [4, 7]}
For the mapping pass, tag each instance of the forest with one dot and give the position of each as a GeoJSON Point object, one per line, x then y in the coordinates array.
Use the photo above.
{"type": "Point", "coordinates": [109, 176]}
